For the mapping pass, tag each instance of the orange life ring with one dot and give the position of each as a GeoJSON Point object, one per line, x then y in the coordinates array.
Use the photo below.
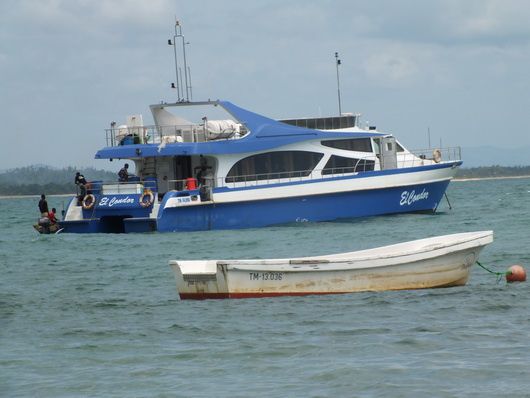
{"type": "Point", "coordinates": [88, 201]}
{"type": "Point", "coordinates": [150, 198]}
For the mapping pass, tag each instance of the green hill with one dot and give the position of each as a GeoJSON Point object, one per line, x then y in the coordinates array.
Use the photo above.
{"type": "Point", "coordinates": [37, 179]}
{"type": "Point", "coordinates": [493, 171]}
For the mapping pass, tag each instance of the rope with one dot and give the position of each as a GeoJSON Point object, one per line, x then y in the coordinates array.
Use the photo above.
{"type": "Point", "coordinates": [449, 203]}
{"type": "Point", "coordinates": [499, 274]}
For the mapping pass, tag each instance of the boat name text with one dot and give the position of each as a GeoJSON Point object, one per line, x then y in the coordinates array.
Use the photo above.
{"type": "Point", "coordinates": [408, 198]}
{"type": "Point", "coordinates": [265, 276]}
{"type": "Point", "coordinates": [105, 201]}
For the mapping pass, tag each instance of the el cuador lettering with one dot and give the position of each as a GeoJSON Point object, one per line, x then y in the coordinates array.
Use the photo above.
{"type": "Point", "coordinates": [408, 198]}
{"type": "Point", "coordinates": [105, 201]}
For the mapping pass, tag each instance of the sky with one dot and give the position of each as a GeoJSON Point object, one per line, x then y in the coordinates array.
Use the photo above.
{"type": "Point", "coordinates": [457, 69]}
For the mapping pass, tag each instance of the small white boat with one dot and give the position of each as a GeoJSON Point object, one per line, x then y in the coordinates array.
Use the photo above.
{"type": "Point", "coordinates": [440, 261]}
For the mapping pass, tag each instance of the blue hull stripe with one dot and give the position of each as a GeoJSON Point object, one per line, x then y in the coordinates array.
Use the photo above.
{"type": "Point", "coordinates": [327, 207]}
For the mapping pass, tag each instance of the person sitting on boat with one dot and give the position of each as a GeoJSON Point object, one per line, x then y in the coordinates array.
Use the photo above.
{"type": "Point", "coordinates": [43, 206]}
{"type": "Point", "coordinates": [51, 216]}
{"type": "Point", "coordinates": [123, 174]}
{"type": "Point", "coordinates": [80, 181]}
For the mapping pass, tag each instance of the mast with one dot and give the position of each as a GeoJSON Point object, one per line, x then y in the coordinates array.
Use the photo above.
{"type": "Point", "coordinates": [337, 63]}
{"type": "Point", "coordinates": [186, 84]}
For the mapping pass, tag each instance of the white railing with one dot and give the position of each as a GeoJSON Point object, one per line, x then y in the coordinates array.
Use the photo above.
{"type": "Point", "coordinates": [422, 157]}
{"type": "Point", "coordinates": [116, 187]}
{"type": "Point", "coordinates": [125, 135]}
{"type": "Point", "coordinates": [414, 158]}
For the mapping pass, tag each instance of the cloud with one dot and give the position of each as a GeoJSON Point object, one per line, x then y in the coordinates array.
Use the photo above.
{"type": "Point", "coordinates": [446, 22]}
{"type": "Point", "coordinates": [77, 64]}
{"type": "Point", "coordinates": [391, 67]}
{"type": "Point", "coordinates": [137, 12]}
{"type": "Point", "coordinates": [499, 22]}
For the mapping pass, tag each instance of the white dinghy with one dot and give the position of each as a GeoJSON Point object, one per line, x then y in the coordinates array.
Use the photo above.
{"type": "Point", "coordinates": [440, 261]}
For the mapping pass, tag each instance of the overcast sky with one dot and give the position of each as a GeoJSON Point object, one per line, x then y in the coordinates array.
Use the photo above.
{"type": "Point", "coordinates": [69, 67]}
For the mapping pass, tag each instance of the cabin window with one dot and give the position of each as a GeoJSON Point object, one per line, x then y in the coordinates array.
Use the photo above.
{"type": "Point", "coordinates": [399, 148]}
{"type": "Point", "coordinates": [355, 144]}
{"type": "Point", "coordinates": [340, 165]}
{"type": "Point", "coordinates": [274, 165]}
{"type": "Point", "coordinates": [323, 123]}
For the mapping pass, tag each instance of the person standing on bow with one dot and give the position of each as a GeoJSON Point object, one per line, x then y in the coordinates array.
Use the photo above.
{"type": "Point", "coordinates": [43, 206]}
{"type": "Point", "coordinates": [80, 181]}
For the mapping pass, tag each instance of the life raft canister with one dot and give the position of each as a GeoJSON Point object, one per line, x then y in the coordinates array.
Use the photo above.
{"type": "Point", "coordinates": [88, 201]}
{"type": "Point", "coordinates": [147, 198]}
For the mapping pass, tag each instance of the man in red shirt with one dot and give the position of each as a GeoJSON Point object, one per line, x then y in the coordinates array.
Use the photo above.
{"type": "Point", "coordinates": [51, 216]}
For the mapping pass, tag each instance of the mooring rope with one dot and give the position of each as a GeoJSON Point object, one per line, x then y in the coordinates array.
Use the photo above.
{"type": "Point", "coordinates": [499, 274]}
{"type": "Point", "coordinates": [447, 198]}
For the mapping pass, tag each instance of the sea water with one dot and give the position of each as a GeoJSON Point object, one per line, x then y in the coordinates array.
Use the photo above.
{"type": "Point", "coordinates": [99, 315]}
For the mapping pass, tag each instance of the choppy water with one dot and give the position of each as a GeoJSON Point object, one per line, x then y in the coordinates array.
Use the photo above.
{"type": "Point", "coordinates": [99, 315]}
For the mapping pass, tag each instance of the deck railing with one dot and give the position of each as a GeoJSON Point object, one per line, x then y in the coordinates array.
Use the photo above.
{"type": "Point", "coordinates": [446, 154]}
{"type": "Point", "coordinates": [125, 135]}
{"type": "Point", "coordinates": [368, 163]}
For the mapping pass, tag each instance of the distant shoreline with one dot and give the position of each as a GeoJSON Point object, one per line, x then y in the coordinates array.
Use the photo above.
{"type": "Point", "coordinates": [36, 196]}
{"type": "Point", "coordinates": [456, 179]}
{"type": "Point", "coordinates": [488, 178]}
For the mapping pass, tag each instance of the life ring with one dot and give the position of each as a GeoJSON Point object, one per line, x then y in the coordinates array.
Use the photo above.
{"type": "Point", "coordinates": [150, 198]}
{"type": "Point", "coordinates": [88, 201]}
{"type": "Point", "coordinates": [436, 156]}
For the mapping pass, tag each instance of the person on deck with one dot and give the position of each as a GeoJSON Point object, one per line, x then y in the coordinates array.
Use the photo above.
{"type": "Point", "coordinates": [80, 181]}
{"type": "Point", "coordinates": [43, 206]}
{"type": "Point", "coordinates": [51, 216]}
{"type": "Point", "coordinates": [203, 171]}
{"type": "Point", "coordinates": [123, 174]}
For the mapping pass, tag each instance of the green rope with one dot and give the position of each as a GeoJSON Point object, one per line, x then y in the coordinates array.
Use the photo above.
{"type": "Point", "coordinates": [499, 274]}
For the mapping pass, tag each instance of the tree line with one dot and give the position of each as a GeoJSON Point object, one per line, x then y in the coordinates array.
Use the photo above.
{"type": "Point", "coordinates": [37, 179]}
{"type": "Point", "coordinates": [493, 171]}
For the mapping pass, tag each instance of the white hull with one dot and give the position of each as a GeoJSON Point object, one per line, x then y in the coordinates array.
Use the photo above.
{"type": "Point", "coordinates": [441, 261]}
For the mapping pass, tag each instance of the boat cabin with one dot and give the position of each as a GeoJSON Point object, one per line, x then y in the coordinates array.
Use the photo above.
{"type": "Point", "coordinates": [237, 150]}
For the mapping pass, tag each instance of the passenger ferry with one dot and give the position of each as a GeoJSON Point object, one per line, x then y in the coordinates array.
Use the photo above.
{"type": "Point", "coordinates": [246, 170]}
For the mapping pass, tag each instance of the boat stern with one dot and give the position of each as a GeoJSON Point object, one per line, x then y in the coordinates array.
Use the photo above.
{"type": "Point", "coordinates": [114, 208]}
{"type": "Point", "coordinates": [199, 279]}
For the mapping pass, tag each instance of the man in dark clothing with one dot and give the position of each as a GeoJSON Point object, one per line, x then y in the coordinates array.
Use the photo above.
{"type": "Point", "coordinates": [80, 181]}
{"type": "Point", "coordinates": [203, 171]}
{"type": "Point", "coordinates": [43, 206]}
{"type": "Point", "coordinates": [123, 174]}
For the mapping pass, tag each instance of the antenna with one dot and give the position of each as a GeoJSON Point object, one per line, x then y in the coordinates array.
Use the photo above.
{"type": "Point", "coordinates": [189, 75]}
{"type": "Point", "coordinates": [337, 62]}
{"type": "Point", "coordinates": [178, 71]}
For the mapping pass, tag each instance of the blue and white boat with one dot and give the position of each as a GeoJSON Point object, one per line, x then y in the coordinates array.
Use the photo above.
{"type": "Point", "coordinates": [246, 170]}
